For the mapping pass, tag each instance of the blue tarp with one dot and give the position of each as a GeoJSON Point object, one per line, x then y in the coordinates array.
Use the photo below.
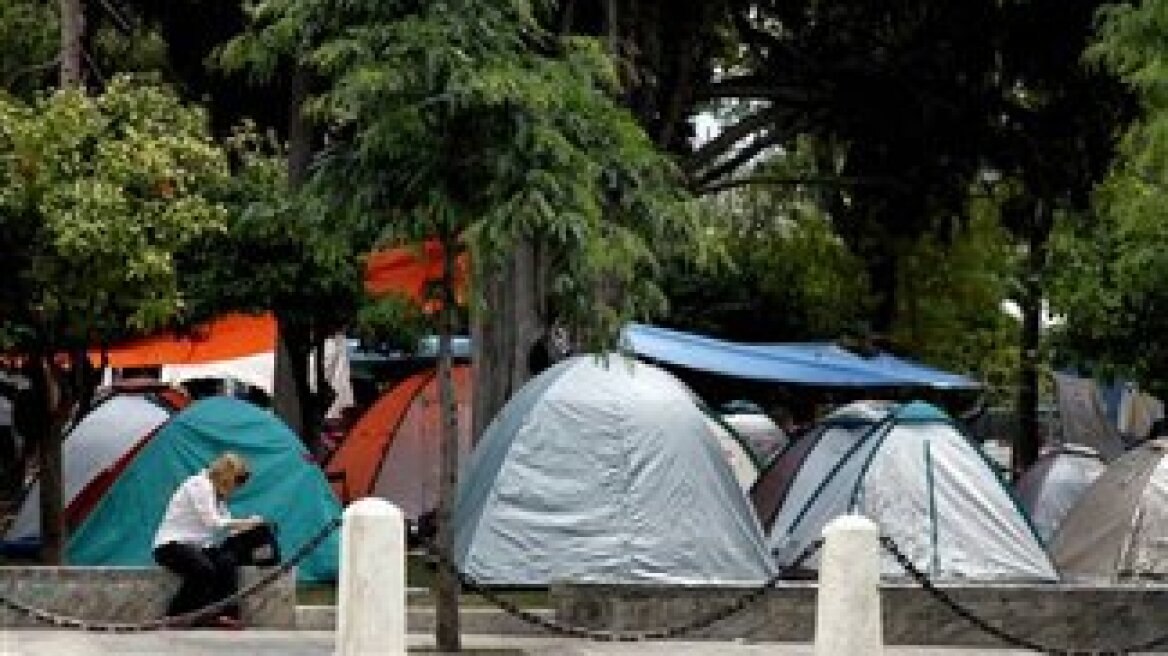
{"type": "Point", "coordinates": [815, 364]}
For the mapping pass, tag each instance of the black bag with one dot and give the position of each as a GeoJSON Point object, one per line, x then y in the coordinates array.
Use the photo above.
{"type": "Point", "coordinates": [255, 546]}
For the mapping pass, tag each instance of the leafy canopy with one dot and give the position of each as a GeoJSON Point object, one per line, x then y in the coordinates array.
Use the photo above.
{"type": "Point", "coordinates": [464, 117]}
{"type": "Point", "coordinates": [96, 196]}
{"type": "Point", "coordinates": [1113, 273]}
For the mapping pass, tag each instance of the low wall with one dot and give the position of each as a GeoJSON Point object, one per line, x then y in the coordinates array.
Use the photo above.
{"type": "Point", "coordinates": [130, 594]}
{"type": "Point", "coordinates": [1059, 615]}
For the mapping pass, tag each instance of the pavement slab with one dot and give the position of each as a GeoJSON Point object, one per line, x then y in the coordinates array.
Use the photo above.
{"type": "Point", "coordinates": [36, 642]}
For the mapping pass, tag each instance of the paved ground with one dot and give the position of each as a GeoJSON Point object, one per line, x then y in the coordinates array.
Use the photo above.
{"type": "Point", "coordinates": [320, 643]}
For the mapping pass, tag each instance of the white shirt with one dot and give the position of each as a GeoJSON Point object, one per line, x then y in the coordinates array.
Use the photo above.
{"type": "Point", "coordinates": [194, 515]}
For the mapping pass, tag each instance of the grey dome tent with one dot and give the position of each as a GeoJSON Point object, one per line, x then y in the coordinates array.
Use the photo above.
{"type": "Point", "coordinates": [1119, 528]}
{"type": "Point", "coordinates": [926, 486]}
{"type": "Point", "coordinates": [1052, 485]}
{"type": "Point", "coordinates": [604, 470]}
{"type": "Point", "coordinates": [843, 426]}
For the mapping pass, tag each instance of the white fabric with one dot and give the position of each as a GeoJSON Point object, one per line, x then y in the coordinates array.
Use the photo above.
{"type": "Point", "coordinates": [1050, 488]}
{"type": "Point", "coordinates": [259, 370]}
{"type": "Point", "coordinates": [764, 436]}
{"type": "Point", "coordinates": [336, 372]}
{"type": "Point", "coordinates": [978, 533]}
{"type": "Point", "coordinates": [736, 454]}
{"type": "Point", "coordinates": [94, 445]}
{"type": "Point", "coordinates": [1147, 554]}
{"type": "Point", "coordinates": [5, 412]}
{"type": "Point", "coordinates": [194, 515]}
{"type": "Point", "coordinates": [1118, 528]}
{"type": "Point", "coordinates": [807, 508]}
{"type": "Point", "coordinates": [604, 473]}
{"type": "Point", "coordinates": [256, 370]}
{"type": "Point", "coordinates": [927, 487]}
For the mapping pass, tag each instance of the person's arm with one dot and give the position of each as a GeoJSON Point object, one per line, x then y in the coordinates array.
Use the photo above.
{"type": "Point", "coordinates": [212, 514]}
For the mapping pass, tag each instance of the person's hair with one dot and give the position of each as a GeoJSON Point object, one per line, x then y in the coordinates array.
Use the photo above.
{"type": "Point", "coordinates": [229, 468]}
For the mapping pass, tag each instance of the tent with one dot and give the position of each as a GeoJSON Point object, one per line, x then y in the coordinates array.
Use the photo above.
{"type": "Point", "coordinates": [1117, 528]}
{"type": "Point", "coordinates": [735, 449]}
{"type": "Point", "coordinates": [1082, 416]}
{"type": "Point", "coordinates": [285, 487]}
{"type": "Point", "coordinates": [120, 420]}
{"type": "Point", "coordinates": [926, 485]}
{"type": "Point", "coordinates": [843, 427]}
{"type": "Point", "coordinates": [763, 436]}
{"type": "Point", "coordinates": [604, 469]}
{"type": "Point", "coordinates": [1052, 485]}
{"type": "Point", "coordinates": [393, 451]}
{"type": "Point", "coordinates": [815, 365]}
{"type": "Point", "coordinates": [235, 347]}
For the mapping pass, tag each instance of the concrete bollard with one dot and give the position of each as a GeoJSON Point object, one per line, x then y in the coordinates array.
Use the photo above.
{"type": "Point", "coordinates": [847, 615]}
{"type": "Point", "coordinates": [371, 599]}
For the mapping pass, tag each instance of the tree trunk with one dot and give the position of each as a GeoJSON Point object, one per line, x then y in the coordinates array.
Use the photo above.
{"type": "Point", "coordinates": [72, 39]}
{"type": "Point", "coordinates": [285, 391]}
{"type": "Point", "coordinates": [289, 388]}
{"type": "Point", "coordinates": [46, 395]}
{"type": "Point", "coordinates": [506, 328]}
{"type": "Point", "coordinates": [1029, 440]}
{"type": "Point", "coordinates": [446, 627]}
{"type": "Point", "coordinates": [294, 400]}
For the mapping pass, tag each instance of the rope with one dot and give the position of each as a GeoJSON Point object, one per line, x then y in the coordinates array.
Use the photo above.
{"type": "Point", "coordinates": [560, 628]}
{"type": "Point", "coordinates": [1001, 634]}
{"type": "Point", "coordinates": [67, 621]}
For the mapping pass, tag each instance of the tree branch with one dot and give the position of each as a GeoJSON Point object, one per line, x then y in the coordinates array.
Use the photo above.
{"type": "Point", "coordinates": [793, 181]}
{"type": "Point", "coordinates": [754, 87]}
{"type": "Point", "coordinates": [760, 143]}
{"type": "Point", "coordinates": [709, 152]}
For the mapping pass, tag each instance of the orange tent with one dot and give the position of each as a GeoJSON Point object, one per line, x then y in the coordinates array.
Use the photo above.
{"type": "Point", "coordinates": [230, 336]}
{"type": "Point", "coordinates": [401, 270]}
{"type": "Point", "coordinates": [412, 272]}
{"type": "Point", "coordinates": [393, 450]}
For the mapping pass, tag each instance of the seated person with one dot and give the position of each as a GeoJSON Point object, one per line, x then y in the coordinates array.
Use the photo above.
{"type": "Point", "coordinates": [188, 539]}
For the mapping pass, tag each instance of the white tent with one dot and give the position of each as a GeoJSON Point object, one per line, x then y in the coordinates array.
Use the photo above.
{"type": "Point", "coordinates": [1119, 527]}
{"type": "Point", "coordinates": [926, 486]}
{"type": "Point", "coordinates": [836, 433]}
{"type": "Point", "coordinates": [258, 369]}
{"type": "Point", "coordinates": [604, 470]}
{"type": "Point", "coordinates": [762, 434]}
{"type": "Point", "coordinates": [737, 452]}
{"type": "Point", "coordinates": [95, 443]}
{"type": "Point", "coordinates": [1052, 485]}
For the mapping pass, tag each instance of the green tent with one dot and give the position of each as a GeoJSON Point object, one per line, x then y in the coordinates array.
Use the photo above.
{"type": "Point", "coordinates": [285, 487]}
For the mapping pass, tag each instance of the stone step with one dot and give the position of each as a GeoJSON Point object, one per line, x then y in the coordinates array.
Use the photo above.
{"type": "Point", "coordinates": [473, 621]}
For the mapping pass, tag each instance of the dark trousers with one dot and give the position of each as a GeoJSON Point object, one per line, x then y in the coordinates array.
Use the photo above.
{"type": "Point", "coordinates": [208, 575]}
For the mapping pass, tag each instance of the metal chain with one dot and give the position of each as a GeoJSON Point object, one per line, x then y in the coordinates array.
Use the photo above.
{"type": "Point", "coordinates": [1005, 636]}
{"type": "Point", "coordinates": [66, 621]}
{"type": "Point", "coordinates": [553, 626]}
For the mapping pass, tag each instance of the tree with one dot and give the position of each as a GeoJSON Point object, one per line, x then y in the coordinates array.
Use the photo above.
{"type": "Point", "coordinates": [281, 252]}
{"type": "Point", "coordinates": [96, 194]}
{"type": "Point", "coordinates": [1113, 286]}
{"type": "Point", "coordinates": [466, 120]}
{"type": "Point", "coordinates": [29, 43]}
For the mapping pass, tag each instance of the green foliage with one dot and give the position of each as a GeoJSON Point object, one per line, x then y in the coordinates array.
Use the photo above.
{"type": "Point", "coordinates": [950, 298]}
{"type": "Point", "coordinates": [390, 320]}
{"type": "Point", "coordinates": [464, 117]}
{"type": "Point", "coordinates": [278, 252]}
{"type": "Point", "coordinates": [788, 275]}
{"type": "Point", "coordinates": [28, 45]}
{"type": "Point", "coordinates": [1112, 281]}
{"type": "Point", "coordinates": [96, 196]}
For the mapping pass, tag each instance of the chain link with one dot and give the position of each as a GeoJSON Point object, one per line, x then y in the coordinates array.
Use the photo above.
{"type": "Point", "coordinates": [553, 626]}
{"type": "Point", "coordinates": [67, 621]}
{"type": "Point", "coordinates": [1001, 634]}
